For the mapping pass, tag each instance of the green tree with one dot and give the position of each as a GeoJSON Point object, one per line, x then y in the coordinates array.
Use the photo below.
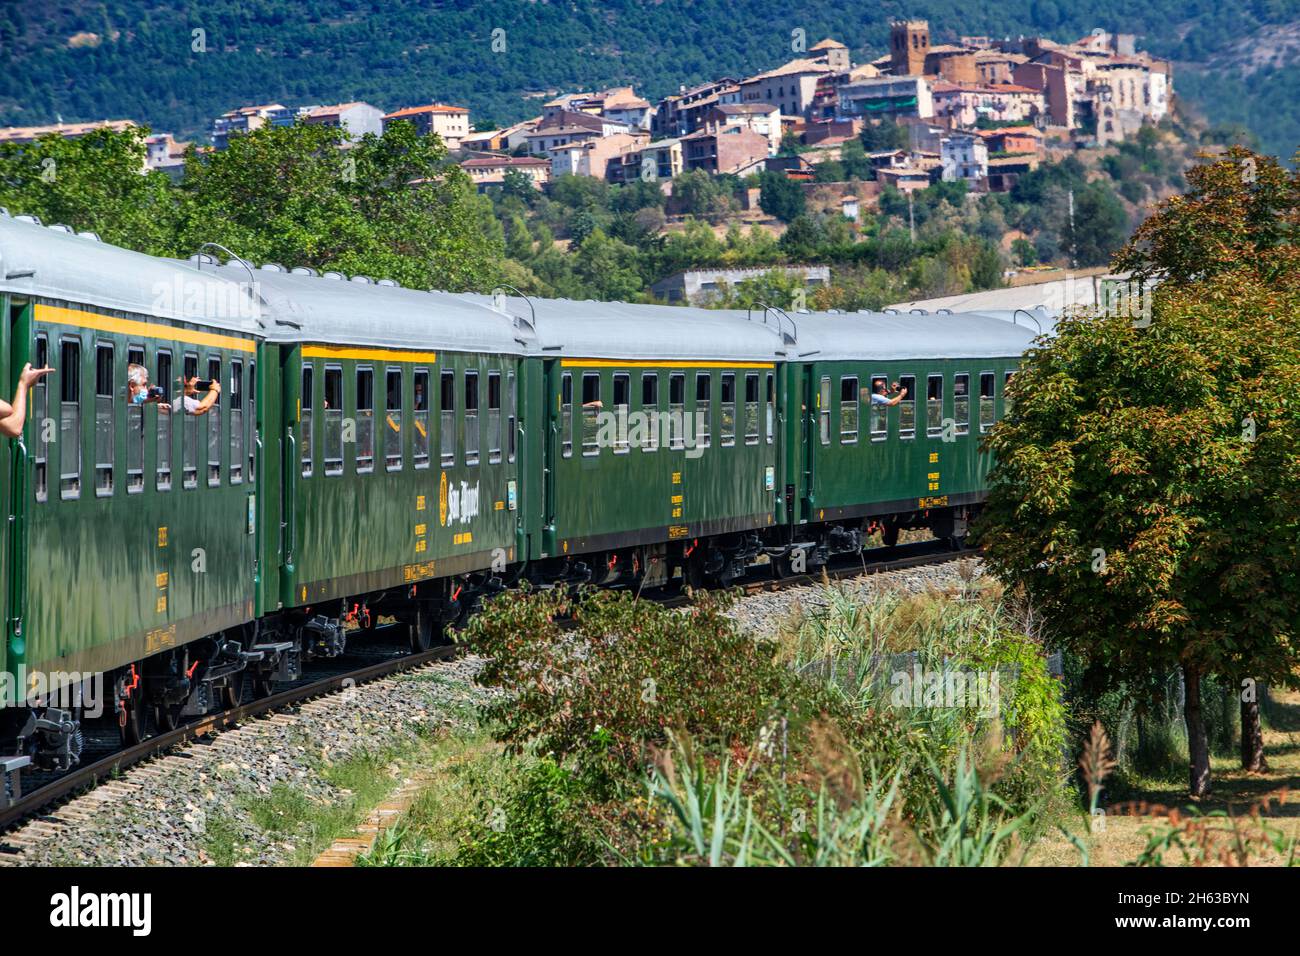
{"type": "Point", "coordinates": [1146, 494]}
{"type": "Point", "coordinates": [780, 196]}
{"type": "Point", "coordinates": [95, 182]}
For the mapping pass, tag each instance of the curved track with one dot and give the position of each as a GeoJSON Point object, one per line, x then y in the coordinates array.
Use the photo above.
{"type": "Point", "coordinates": [51, 791]}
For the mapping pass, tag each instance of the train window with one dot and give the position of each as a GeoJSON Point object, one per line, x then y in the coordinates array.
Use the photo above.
{"type": "Point", "coordinates": [447, 419]}
{"type": "Point", "coordinates": [728, 433]}
{"type": "Point", "coordinates": [135, 428]}
{"type": "Point", "coordinates": [104, 437]}
{"type": "Point", "coordinates": [236, 421]}
{"type": "Point", "coordinates": [365, 428]}
{"type": "Point", "coordinates": [307, 404]}
{"type": "Point", "coordinates": [70, 418]}
{"type": "Point", "coordinates": [879, 411]}
{"type": "Point", "coordinates": [849, 411]}
{"type": "Point", "coordinates": [934, 405]}
{"type": "Point", "coordinates": [333, 453]}
{"type": "Point", "coordinates": [961, 402]}
{"type": "Point", "coordinates": [907, 407]}
{"type": "Point", "coordinates": [566, 415]}
{"type": "Point", "coordinates": [471, 418]}
{"type": "Point", "coordinates": [622, 404]}
{"type": "Point", "coordinates": [771, 406]}
{"type": "Point", "coordinates": [252, 421]}
{"type": "Point", "coordinates": [590, 413]}
{"type": "Point", "coordinates": [751, 408]}
{"type": "Point", "coordinates": [420, 419]}
{"type": "Point", "coordinates": [824, 410]}
{"type": "Point", "coordinates": [703, 408]}
{"type": "Point", "coordinates": [494, 417]}
{"type": "Point", "coordinates": [214, 426]}
{"type": "Point", "coordinates": [987, 412]}
{"type": "Point", "coordinates": [189, 430]}
{"type": "Point", "coordinates": [393, 419]}
{"type": "Point", "coordinates": [1006, 393]}
{"type": "Point", "coordinates": [650, 410]}
{"type": "Point", "coordinates": [677, 410]}
{"type": "Point", "coordinates": [164, 381]}
{"type": "Point", "coordinates": [512, 410]}
{"type": "Point", "coordinates": [41, 410]}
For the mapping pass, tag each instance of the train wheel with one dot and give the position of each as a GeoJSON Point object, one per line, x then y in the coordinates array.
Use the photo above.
{"type": "Point", "coordinates": [424, 632]}
{"type": "Point", "coordinates": [168, 716]}
{"type": "Point", "coordinates": [232, 695]}
{"type": "Point", "coordinates": [132, 723]}
{"type": "Point", "coordinates": [263, 687]}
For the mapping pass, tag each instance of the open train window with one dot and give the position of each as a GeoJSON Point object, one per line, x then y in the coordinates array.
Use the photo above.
{"type": "Point", "coordinates": [447, 418]}
{"type": "Point", "coordinates": [703, 408]}
{"type": "Point", "coordinates": [164, 436]}
{"type": "Point", "coordinates": [987, 408]}
{"type": "Point", "coordinates": [306, 416]}
{"type": "Point", "coordinates": [471, 418]}
{"type": "Point", "coordinates": [189, 428]}
{"type": "Point", "coordinates": [907, 407]}
{"type": "Point", "coordinates": [512, 410]}
{"type": "Point", "coordinates": [650, 411]}
{"type": "Point", "coordinates": [590, 413]}
{"type": "Point", "coordinates": [70, 418]}
{"type": "Point", "coordinates": [622, 405]}
{"type": "Point", "coordinates": [393, 419]}
{"type": "Point", "coordinates": [104, 437]}
{"type": "Point", "coordinates": [728, 403]}
{"type": "Point", "coordinates": [771, 407]}
{"type": "Point", "coordinates": [566, 415]}
{"type": "Point", "coordinates": [751, 408]}
{"type": "Point", "coordinates": [365, 421]}
{"type": "Point", "coordinates": [677, 410]}
{"type": "Point", "coordinates": [420, 420]}
{"type": "Point", "coordinates": [879, 411]}
{"type": "Point", "coordinates": [135, 428]}
{"type": "Point", "coordinates": [236, 421]}
{"type": "Point", "coordinates": [333, 452]}
{"type": "Point", "coordinates": [961, 402]}
{"type": "Point", "coordinates": [849, 407]}
{"type": "Point", "coordinates": [1006, 393]}
{"type": "Point", "coordinates": [824, 410]}
{"type": "Point", "coordinates": [214, 426]}
{"type": "Point", "coordinates": [934, 405]}
{"type": "Point", "coordinates": [494, 417]}
{"type": "Point", "coordinates": [40, 413]}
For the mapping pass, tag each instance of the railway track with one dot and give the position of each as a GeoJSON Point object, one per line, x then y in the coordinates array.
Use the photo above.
{"type": "Point", "coordinates": [49, 793]}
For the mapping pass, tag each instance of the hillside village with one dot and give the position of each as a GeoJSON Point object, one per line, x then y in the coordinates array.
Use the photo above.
{"type": "Point", "coordinates": [849, 139]}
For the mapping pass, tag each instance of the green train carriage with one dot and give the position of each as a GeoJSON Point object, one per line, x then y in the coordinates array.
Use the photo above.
{"type": "Point", "coordinates": [863, 467]}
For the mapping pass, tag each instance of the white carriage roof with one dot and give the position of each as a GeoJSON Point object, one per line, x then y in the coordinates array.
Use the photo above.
{"type": "Point", "coordinates": [624, 330]}
{"type": "Point", "coordinates": [52, 263]}
{"type": "Point", "coordinates": [339, 311]}
{"type": "Point", "coordinates": [885, 337]}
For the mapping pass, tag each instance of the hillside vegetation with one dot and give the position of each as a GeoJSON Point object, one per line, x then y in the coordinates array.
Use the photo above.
{"type": "Point", "coordinates": [138, 60]}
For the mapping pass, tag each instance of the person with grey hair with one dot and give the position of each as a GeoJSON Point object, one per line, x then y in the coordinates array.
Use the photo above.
{"type": "Point", "coordinates": [138, 391]}
{"type": "Point", "coordinates": [14, 416]}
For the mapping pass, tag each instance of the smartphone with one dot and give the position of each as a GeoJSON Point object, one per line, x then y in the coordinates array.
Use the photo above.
{"type": "Point", "coordinates": [203, 385]}
{"type": "Point", "coordinates": [155, 391]}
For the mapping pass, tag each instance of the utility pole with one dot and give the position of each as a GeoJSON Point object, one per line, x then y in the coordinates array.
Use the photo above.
{"type": "Point", "coordinates": [911, 216]}
{"type": "Point", "coordinates": [1074, 244]}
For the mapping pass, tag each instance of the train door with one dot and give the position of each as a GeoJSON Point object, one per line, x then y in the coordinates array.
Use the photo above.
{"type": "Point", "coordinates": [294, 451]}
{"type": "Point", "coordinates": [811, 398]}
{"type": "Point", "coordinates": [16, 345]}
{"type": "Point", "coordinates": [550, 451]}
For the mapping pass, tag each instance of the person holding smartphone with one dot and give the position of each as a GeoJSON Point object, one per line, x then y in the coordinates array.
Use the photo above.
{"type": "Point", "coordinates": [200, 406]}
{"type": "Point", "coordinates": [140, 392]}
